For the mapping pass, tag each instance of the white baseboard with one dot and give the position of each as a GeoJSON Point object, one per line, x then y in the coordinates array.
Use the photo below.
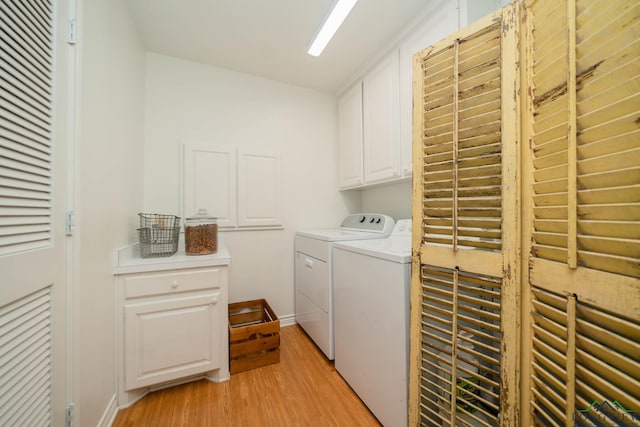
{"type": "Point", "coordinates": [288, 320]}
{"type": "Point", "coordinates": [109, 415]}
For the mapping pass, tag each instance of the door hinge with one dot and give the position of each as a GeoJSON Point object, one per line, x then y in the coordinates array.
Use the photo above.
{"type": "Point", "coordinates": [71, 31]}
{"type": "Point", "coordinates": [68, 415]}
{"type": "Point", "coordinates": [69, 223]}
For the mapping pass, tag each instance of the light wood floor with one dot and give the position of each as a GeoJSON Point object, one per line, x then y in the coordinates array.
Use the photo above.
{"type": "Point", "coordinates": [304, 389]}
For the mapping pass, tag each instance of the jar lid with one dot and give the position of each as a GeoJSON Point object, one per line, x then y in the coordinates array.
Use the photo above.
{"type": "Point", "coordinates": [202, 215]}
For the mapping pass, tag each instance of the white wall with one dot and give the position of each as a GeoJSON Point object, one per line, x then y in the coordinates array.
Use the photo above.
{"type": "Point", "coordinates": [473, 10]}
{"type": "Point", "coordinates": [108, 190]}
{"type": "Point", "coordinates": [391, 199]}
{"type": "Point", "coordinates": [189, 101]}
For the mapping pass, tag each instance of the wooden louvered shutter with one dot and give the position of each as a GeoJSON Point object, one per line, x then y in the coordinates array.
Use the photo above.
{"type": "Point", "coordinates": [582, 214]}
{"type": "Point", "coordinates": [464, 311]}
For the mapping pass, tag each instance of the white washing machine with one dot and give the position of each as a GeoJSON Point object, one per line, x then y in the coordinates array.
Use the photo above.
{"type": "Point", "coordinates": [313, 272]}
{"type": "Point", "coordinates": [371, 292]}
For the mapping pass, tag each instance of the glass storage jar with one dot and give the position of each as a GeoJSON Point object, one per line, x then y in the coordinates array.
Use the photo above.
{"type": "Point", "coordinates": [201, 234]}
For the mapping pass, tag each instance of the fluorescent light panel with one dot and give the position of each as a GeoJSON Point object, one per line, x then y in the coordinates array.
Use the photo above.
{"type": "Point", "coordinates": [334, 20]}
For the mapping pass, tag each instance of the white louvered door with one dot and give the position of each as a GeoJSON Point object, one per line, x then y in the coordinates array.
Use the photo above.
{"type": "Point", "coordinates": [465, 307]}
{"type": "Point", "coordinates": [33, 60]}
{"type": "Point", "coordinates": [581, 347]}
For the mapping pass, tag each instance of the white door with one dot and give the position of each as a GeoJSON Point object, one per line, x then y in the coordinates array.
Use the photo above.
{"type": "Point", "coordinates": [209, 181]}
{"type": "Point", "coordinates": [171, 338]}
{"type": "Point", "coordinates": [259, 195]}
{"type": "Point", "coordinates": [32, 211]}
{"type": "Point", "coordinates": [381, 121]}
{"type": "Point", "coordinates": [350, 137]}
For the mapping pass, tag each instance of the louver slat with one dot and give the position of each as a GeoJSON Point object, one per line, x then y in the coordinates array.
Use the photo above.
{"type": "Point", "coordinates": [549, 356]}
{"type": "Point", "coordinates": [25, 27]}
{"type": "Point", "coordinates": [25, 360]}
{"type": "Point", "coordinates": [26, 118]}
{"type": "Point", "coordinates": [438, 118]}
{"type": "Point", "coordinates": [607, 154]}
{"type": "Point", "coordinates": [478, 149]}
{"type": "Point", "coordinates": [475, 302]}
{"type": "Point", "coordinates": [607, 361]}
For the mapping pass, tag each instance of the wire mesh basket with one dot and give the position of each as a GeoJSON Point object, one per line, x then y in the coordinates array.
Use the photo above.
{"type": "Point", "coordinates": [158, 235]}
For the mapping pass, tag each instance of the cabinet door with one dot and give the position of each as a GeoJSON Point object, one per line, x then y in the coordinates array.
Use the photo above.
{"type": "Point", "coordinates": [350, 137]}
{"type": "Point", "coordinates": [209, 181]}
{"type": "Point", "coordinates": [172, 338]}
{"type": "Point", "coordinates": [381, 116]}
{"type": "Point", "coordinates": [259, 195]}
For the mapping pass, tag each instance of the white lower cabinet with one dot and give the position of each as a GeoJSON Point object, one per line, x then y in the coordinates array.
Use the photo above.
{"type": "Point", "coordinates": [170, 339]}
{"type": "Point", "coordinates": [172, 326]}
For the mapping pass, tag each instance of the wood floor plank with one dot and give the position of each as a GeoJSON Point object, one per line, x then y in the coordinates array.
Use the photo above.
{"type": "Point", "coordinates": [304, 389]}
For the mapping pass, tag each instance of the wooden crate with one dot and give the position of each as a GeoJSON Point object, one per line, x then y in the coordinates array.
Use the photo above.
{"type": "Point", "coordinates": [254, 335]}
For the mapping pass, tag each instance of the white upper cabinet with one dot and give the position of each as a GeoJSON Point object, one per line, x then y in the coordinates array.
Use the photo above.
{"type": "Point", "coordinates": [259, 186]}
{"type": "Point", "coordinates": [381, 121]}
{"type": "Point", "coordinates": [350, 137]}
{"type": "Point", "coordinates": [375, 116]}
{"type": "Point", "coordinates": [209, 181]}
{"type": "Point", "coordinates": [369, 127]}
{"type": "Point", "coordinates": [241, 187]}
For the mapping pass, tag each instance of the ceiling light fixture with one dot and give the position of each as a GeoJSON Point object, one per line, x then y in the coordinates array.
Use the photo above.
{"type": "Point", "coordinates": [339, 13]}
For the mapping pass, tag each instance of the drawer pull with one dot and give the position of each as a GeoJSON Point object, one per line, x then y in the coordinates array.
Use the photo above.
{"type": "Point", "coordinates": [214, 300]}
{"type": "Point", "coordinates": [174, 284]}
{"type": "Point", "coordinates": [308, 263]}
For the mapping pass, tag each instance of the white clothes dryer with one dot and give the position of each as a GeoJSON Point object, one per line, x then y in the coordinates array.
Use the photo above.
{"type": "Point", "coordinates": [314, 272]}
{"type": "Point", "coordinates": [371, 294]}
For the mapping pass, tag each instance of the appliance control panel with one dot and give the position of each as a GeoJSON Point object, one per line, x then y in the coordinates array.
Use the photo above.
{"type": "Point", "coordinates": [374, 223]}
{"type": "Point", "coordinates": [402, 228]}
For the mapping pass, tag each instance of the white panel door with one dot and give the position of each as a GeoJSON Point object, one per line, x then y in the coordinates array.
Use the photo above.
{"type": "Point", "coordinates": [34, 108]}
{"type": "Point", "coordinates": [381, 118]}
{"type": "Point", "coordinates": [259, 194]}
{"type": "Point", "coordinates": [209, 181]}
{"type": "Point", "coordinates": [350, 137]}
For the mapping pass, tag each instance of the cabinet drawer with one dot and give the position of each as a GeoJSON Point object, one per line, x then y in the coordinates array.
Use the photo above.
{"type": "Point", "coordinates": [165, 283]}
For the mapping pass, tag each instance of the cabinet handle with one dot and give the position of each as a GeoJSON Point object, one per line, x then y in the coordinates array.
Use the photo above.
{"type": "Point", "coordinates": [214, 300]}
{"type": "Point", "coordinates": [174, 284]}
{"type": "Point", "coordinates": [308, 263]}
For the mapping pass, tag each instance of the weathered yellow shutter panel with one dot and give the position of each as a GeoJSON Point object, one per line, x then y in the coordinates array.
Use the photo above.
{"type": "Point", "coordinates": [465, 306]}
{"type": "Point", "coordinates": [463, 142]}
{"type": "Point", "coordinates": [586, 135]}
{"type": "Point", "coordinates": [582, 189]}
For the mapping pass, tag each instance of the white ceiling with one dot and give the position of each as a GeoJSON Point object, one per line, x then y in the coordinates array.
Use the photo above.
{"type": "Point", "coordinates": [269, 38]}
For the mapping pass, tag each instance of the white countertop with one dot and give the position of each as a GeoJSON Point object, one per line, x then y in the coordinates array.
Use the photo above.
{"type": "Point", "coordinates": [128, 260]}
